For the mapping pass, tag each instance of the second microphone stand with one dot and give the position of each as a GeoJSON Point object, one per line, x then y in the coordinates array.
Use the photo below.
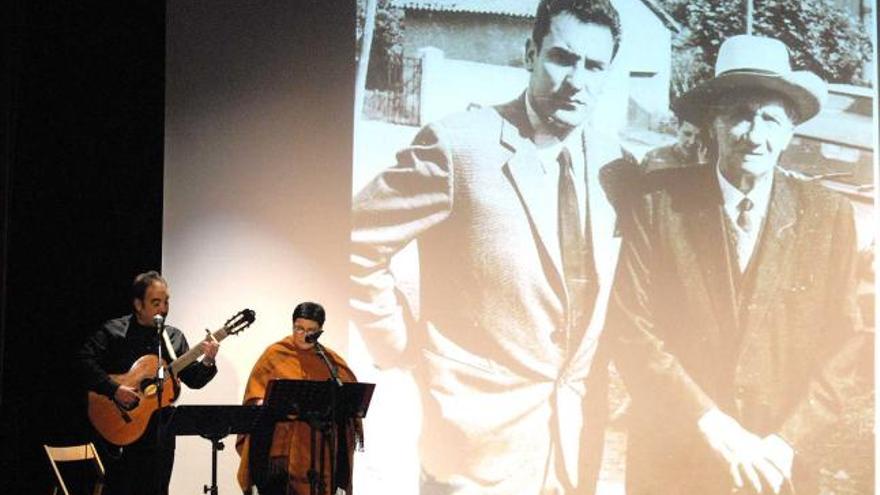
{"type": "Point", "coordinates": [327, 427]}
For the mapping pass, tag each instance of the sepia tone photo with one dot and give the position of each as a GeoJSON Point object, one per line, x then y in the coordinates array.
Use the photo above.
{"type": "Point", "coordinates": [618, 247]}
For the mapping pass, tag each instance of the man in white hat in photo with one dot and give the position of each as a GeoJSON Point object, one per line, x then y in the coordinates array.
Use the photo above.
{"type": "Point", "coordinates": [733, 318]}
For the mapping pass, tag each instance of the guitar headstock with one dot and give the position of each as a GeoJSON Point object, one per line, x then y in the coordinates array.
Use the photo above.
{"type": "Point", "coordinates": [239, 321]}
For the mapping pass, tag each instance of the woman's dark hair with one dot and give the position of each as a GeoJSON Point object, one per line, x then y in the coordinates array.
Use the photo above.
{"type": "Point", "coordinates": [310, 311]}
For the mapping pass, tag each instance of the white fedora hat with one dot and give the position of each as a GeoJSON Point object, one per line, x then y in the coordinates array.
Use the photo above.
{"type": "Point", "coordinates": [754, 63]}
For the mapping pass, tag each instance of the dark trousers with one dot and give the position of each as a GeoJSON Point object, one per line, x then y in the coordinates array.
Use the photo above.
{"type": "Point", "coordinates": [142, 468]}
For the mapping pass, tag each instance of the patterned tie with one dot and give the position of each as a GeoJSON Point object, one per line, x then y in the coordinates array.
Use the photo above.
{"type": "Point", "coordinates": [744, 219]}
{"type": "Point", "coordinates": [577, 257]}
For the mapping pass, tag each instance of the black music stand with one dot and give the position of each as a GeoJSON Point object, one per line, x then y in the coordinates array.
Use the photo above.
{"type": "Point", "coordinates": [321, 404]}
{"type": "Point", "coordinates": [213, 423]}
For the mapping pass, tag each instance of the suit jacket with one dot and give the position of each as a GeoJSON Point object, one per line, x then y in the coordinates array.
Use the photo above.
{"type": "Point", "coordinates": [775, 347]}
{"type": "Point", "coordinates": [498, 395]}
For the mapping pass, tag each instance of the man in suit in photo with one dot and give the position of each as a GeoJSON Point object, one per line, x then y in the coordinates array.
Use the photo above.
{"type": "Point", "coordinates": [512, 210]}
{"type": "Point", "coordinates": [733, 317]}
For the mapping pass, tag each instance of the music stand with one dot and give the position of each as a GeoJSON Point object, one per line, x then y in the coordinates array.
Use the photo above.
{"type": "Point", "coordinates": [321, 404]}
{"type": "Point", "coordinates": [214, 423]}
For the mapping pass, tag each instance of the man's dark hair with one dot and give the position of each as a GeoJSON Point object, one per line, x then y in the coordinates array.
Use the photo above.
{"type": "Point", "coordinates": [593, 11]}
{"type": "Point", "coordinates": [310, 311]}
{"type": "Point", "coordinates": [143, 281]}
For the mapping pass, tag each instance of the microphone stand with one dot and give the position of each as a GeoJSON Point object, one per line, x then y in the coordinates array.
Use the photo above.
{"type": "Point", "coordinates": [327, 428]}
{"type": "Point", "coordinates": [334, 371]}
{"type": "Point", "coordinates": [160, 383]}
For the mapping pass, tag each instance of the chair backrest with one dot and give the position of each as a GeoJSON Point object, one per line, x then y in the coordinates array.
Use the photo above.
{"type": "Point", "coordinates": [76, 453]}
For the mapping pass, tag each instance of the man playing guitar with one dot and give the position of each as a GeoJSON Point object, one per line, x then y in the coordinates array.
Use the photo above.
{"type": "Point", "coordinates": [143, 466]}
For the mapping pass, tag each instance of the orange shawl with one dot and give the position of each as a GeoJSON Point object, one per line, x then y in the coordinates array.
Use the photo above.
{"type": "Point", "coordinates": [290, 439]}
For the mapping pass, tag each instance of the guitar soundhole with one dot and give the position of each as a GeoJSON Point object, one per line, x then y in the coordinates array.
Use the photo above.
{"type": "Point", "coordinates": [148, 387]}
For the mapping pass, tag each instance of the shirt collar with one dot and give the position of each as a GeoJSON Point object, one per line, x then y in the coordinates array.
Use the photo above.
{"type": "Point", "coordinates": [135, 323]}
{"type": "Point", "coordinates": [759, 195]}
{"type": "Point", "coordinates": [547, 143]}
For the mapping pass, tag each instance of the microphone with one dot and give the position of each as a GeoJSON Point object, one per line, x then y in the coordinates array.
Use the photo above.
{"type": "Point", "coordinates": [159, 321]}
{"type": "Point", "coordinates": [312, 338]}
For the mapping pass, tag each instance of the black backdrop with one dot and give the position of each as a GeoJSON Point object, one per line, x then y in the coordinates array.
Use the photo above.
{"type": "Point", "coordinates": [82, 128]}
{"type": "Point", "coordinates": [83, 193]}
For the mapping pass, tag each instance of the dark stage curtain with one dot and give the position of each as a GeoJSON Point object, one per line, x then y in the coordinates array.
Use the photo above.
{"type": "Point", "coordinates": [82, 128]}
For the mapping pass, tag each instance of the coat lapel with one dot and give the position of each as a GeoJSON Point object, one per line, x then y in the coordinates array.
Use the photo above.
{"type": "Point", "coordinates": [705, 230]}
{"type": "Point", "coordinates": [773, 255]}
{"type": "Point", "coordinates": [535, 184]}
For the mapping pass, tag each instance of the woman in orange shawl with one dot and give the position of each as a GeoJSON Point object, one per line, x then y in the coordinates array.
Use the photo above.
{"type": "Point", "coordinates": [294, 357]}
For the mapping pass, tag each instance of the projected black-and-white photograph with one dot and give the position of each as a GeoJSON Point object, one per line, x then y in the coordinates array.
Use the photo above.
{"type": "Point", "coordinates": [439, 247]}
{"type": "Point", "coordinates": [616, 247]}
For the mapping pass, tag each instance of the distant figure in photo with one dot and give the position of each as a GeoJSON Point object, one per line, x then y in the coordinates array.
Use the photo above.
{"type": "Point", "coordinates": [687, 150]}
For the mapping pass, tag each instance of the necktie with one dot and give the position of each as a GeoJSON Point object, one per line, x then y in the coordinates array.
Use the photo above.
{"type": "Point", "coordinates": [744, 219]}
{"type": "Point", "coordinates": [577, 257]}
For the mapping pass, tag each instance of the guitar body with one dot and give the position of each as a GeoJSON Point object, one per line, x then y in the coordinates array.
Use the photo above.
{"type": "Point", "coordinates": [120, 426]}
{"type": "Point", "coordinates": [124, 426]}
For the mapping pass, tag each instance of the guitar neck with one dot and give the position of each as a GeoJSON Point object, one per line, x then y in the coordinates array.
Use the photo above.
{"type": "Point", "coordinates": [194, 353]}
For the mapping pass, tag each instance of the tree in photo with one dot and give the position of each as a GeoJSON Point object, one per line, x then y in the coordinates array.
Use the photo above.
{"type": "Point", "coordinates": [387, 41]}
{"type": "Point", "coordinates": [822, 37]}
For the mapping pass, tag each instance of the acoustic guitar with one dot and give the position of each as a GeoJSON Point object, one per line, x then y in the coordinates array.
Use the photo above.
{"type": "Point", "coordinates": [123, 425]}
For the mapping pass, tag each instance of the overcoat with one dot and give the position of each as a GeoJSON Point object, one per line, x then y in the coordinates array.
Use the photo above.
{"type": "Point", "coordinates": [775, 347]}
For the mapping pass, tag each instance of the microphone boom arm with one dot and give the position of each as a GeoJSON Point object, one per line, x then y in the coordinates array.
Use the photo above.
{"type": "Point", "coordinates": [334, 371]}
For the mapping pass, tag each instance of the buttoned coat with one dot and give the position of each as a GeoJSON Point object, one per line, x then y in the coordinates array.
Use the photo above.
{"type": "Point", "coordinates": [776, 348]}
{"type": "Point", "coordinates": [500, 399]}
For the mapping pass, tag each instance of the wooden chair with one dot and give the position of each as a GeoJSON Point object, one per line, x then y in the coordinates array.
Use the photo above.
{"type": "Point", "coordinates": [75, 453]}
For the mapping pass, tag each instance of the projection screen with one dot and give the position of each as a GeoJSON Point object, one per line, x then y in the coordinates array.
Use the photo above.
{"type": "Point", "coordinates": [268, 169]}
